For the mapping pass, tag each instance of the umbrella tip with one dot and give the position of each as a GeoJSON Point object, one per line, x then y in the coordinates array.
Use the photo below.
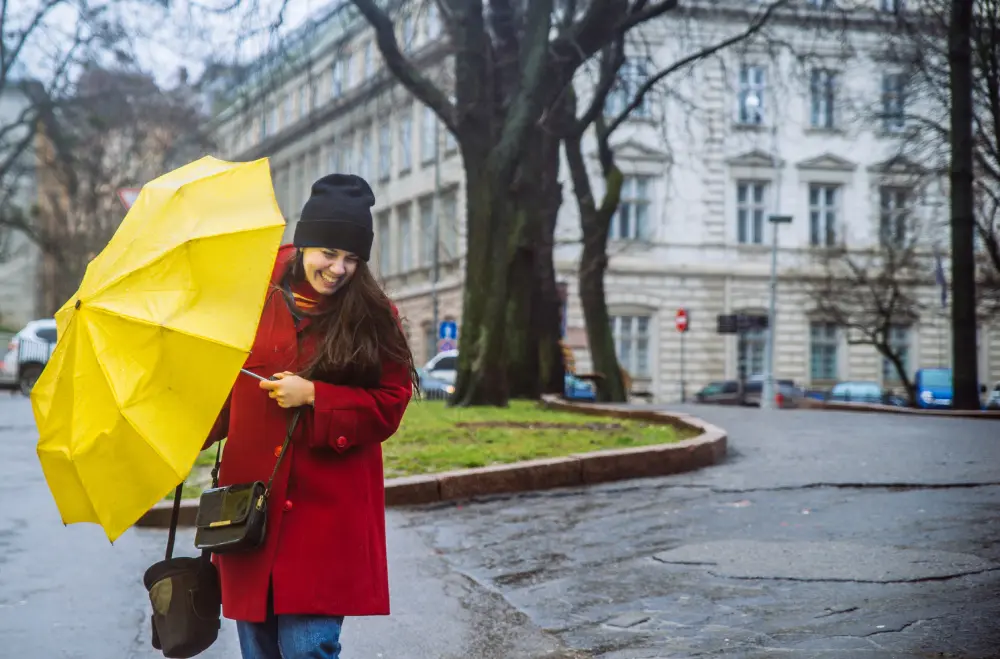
{"type": "Point", "coordinates": [77, 305]}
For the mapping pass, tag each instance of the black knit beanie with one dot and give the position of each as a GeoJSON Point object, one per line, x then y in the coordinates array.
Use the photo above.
{"type": "Point", "coordinates": [338, 216]}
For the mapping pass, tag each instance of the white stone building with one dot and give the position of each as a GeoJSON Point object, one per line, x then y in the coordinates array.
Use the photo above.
{"type": "Point", "coordinates": [756, 132]}
{"type": "Point", "coordinates": [19, 257]}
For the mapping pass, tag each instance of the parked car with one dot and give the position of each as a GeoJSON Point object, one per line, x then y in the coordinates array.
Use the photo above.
{"type": "Point", "coordinates": [431, 388]}
{"type": "Point", "coordinates": [934, 388]}
{"type": "Point", "coordinates": [441, 371]}
{"type": "Point", "coordinates": [27, 354]}
{"type": "Point", "coordinates": [729, 392]}
{"type": "Point", "coordinates": [863, 392]}
{"type": "Point", "coordinates": [993, 400]}
{"type": "Point", "coordinates": [443, 366]}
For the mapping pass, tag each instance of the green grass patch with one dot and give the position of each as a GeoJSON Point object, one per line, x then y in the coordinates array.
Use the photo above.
{"type": "Point", "coordinates": [434, 437]}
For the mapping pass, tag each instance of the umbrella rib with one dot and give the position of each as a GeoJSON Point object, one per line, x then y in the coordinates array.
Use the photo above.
{"type": "Point", "coordinates": [144, 321]}
{"type": "Point", "coordinates": [170, 251]}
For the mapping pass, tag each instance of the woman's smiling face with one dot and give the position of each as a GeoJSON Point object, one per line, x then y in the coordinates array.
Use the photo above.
{"type": "Point", "coordinates": [327, 270]}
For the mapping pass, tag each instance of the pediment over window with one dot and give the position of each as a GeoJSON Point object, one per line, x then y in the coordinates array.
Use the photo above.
{"type": "Point", "coordinates": [828, 162]}
{"type": "Point", "coordinates": [634, 151]}
{"type": "Point", "coordinates": [897, 165]}
{"type": "Point", "coordinates": [755, 158]}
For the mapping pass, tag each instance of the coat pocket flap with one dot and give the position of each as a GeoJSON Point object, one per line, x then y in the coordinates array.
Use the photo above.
{"type": "Point", "coordinates": [228, 506]}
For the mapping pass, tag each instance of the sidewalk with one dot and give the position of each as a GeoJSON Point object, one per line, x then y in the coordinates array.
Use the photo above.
{"type": "Point", "coordinates": [66, 593]}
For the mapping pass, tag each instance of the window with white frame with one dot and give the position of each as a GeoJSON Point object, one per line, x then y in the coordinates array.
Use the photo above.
{"type": "Point", "coordinates": [405, 233]}
{"type": "Point", "coordinates": [384, 150]}
{"type": "Point", "coordinates": [385, 264]}
{"type": "Point", "coordinates": [751, 207]}
{"type": "Point", "coordinates": [430, 341]}
{"type": "Point", "coordinates": [448, 225]}
{"type": "Point", "coordinates": [433, 21]}
{"type": "Point", "coordinates": [347, 152]}
{"type": "Point", "coordinates": [369, 60]}
{"type": "Point", "coordinates": [337, 78]}
{"type": "Point", "coordinates": [631, 220]}
{"type": "Point", "coordinates": [408, 33]}
{"type": "Point", "coordinates": [303, 100]}
{"type": "Point", "coordinates": [288, 111]}
{"type": "Point", "coordinates": [824, 203]}
{"type": "Point", "coordinates": [405, 141]}
{"type": "Point", "coordinates": [898, 342]}
{"type": "Point", "coordinates": [822, 98]}
{"type": "Point", "coordinates": [450, 143]}
{"type": "Point", "coordinates": [428, 136]}
{"type": "Point", "coordinates": [633, 73]}
{"type": "Point", "coordinates": [893, 215]}
{"type": "Point", "coordinates": [333, 158]}
{"type": "Point", "coordinates": [348, 68]}
{"type": "Point", "coordinates": [272, 121]}
{"type": "Point", "coordinates": [631, 335]}
{"type": "Point", "coordinates": [365, 156]}
{"type": "Point", "coordinates": [893, 102]}
{"type": "Point", "coordinates": [427, 238]}
{"type": "Point", "coordinates": [824, 341]}
{"type": "Point", "coordinates": [750, 353]}
{"type": "Point", "coordinates": [752, 91]}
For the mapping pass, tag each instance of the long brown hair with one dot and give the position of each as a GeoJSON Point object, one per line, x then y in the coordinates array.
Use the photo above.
{"type": "Point", "coordinates": [357, 332]}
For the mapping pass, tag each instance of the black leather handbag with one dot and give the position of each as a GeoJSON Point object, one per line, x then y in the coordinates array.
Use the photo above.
{"type": "Point", "coordinates": [234, 518]}
{"type": "Point", "coordinates": [186, 599]}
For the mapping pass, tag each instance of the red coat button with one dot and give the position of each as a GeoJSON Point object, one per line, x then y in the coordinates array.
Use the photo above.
{"type": "Point", "coordinates": [288, 505]}
{"type": "Point", "coordinates": [341, 442]}
{"type": "Point", "coordinates": [277, 451]}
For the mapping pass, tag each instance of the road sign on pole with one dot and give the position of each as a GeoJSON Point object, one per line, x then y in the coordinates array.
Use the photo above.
{"type": "Point", "coordinates": [681, 320]}
{"type": "Point", "coordinates": [444, 345]}
{"type": "Point", "coordinates": [128, 196]}
{"type": "Point", "coordinates": [448, 330]}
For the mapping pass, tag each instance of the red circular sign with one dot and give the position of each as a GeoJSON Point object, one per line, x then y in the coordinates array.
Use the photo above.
{"type": "Point", "coordinates": [681, 320]}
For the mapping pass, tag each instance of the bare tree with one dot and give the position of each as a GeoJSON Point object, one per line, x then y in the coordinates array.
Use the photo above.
{"type": "Point", "coordinates": [120, 131]}
{"type": "Point", "coordinates": [511, 63]}
{"type": "Point", "coordinates": [596, 217]}
{"type": "Point", "coordinates": [868, 293]}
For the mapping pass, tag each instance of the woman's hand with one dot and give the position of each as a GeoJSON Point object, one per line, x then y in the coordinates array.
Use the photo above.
{"type": "Point", "coordinates": [290, 390]}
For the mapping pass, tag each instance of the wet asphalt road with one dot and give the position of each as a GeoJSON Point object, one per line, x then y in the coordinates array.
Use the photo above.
{"type": "Point", "coordinates": [66, 593]}
{"type": "Point", "coordinates": [824, 535]}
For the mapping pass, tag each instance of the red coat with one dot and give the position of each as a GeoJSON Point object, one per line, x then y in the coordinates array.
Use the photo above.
{"type": "Point", "coordinates": [325, 544]}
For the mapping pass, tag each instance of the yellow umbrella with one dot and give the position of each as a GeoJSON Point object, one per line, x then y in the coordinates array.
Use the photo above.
{"type": "Point", "coordinates": [152, 342]}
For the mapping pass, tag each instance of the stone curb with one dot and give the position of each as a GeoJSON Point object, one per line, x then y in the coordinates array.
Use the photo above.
{"type": "Point", "coordinates": [807, 404]}
{"type": "Point", "coordinates": [707, 449]}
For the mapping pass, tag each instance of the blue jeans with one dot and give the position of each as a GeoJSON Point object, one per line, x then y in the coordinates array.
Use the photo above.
{"type": "Point", "coordinates": [290, 637]}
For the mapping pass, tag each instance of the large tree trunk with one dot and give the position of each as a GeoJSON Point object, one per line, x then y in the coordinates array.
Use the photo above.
{"type": "Point", "coordinates": [965, 356]}
{"type": "Point", "coordinates": [595, 223]}
{"type": "Point", "coordinates": [482, 365]}
{"type": "Point", "coordinates": [535, 363]}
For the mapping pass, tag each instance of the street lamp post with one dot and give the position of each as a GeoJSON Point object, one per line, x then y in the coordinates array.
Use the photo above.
{"type": "Point", "coordinates": [767, 390]}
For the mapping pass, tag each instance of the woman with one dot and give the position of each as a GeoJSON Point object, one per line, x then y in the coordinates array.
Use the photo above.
{"type": "Point", "coordinates": [332, 339]}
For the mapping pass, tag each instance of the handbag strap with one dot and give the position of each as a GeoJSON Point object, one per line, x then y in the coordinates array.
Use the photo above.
{"type": "Point", "coordinates": [174, 517]}
{"type": "Point", "coordinates": [284, 448]}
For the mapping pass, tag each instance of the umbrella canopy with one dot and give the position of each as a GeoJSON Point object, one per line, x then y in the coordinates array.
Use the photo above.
{"type": "Point", "coordinates": [150, 345]}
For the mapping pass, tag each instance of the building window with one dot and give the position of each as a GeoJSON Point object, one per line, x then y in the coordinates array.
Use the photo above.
{"type": "Point", "coordinates": [891, 6]}
{"type": "Point", "coordinates": [430, 341]}
{"type": "Point", "coordinates": [750, 102]}
{"type": "Point", "coordinates": [337, 79]}
{"type": "Point", "coordinates": [427, 238]}
{"type": "Point", "coordinates": [347, 153]}
{"type": "Point", "coordinates": [823, 342]}
{"type": "Point", "coordinates": [303, 100]}
{"type": "Point", "coordinates": [893, 102]}
{"type": "Point", "coordinates": [750, 353]}
{"type": "Point", "coordinates": [823, 202]}
{"type": "Point", "coordinates": [822, 93]}
{"type": "Point", "coordinates": [408, 33]}
{"type": "Point", "coordinates": [448, 226]}
{"type": "Point", "coordinates": [433, 21]}
{"type": "Point", "coordinates": [631, 76]}
{"type": "Point", "coordinates": [384, 151]}
{"type": "Point", "coordinates": [405, 233]}
{"type": "Point", "coordinates": [272, 122]}
{"type": "Point", "coordinates": [405, 141]}
{"type": "Point", "coordinates": [631, 334]}
{"type": "Point", "coordinates": [365, 157]}
{"type": "Point", "coordinates": [428, 136]}
{"type": "Point", "coordinates": [384, 244]}
{"type": "Point", "coordinates": [893, 215]}
{"type": "Point", "coordinates": [750, 209]}
{"type": "Point", "coordinates": [450, 143]}
{"type": "Point", "coordinates": [288, 112]}
{"type": "Point", "coordinates": [898, 341]}
{"type": "Point", "coordinates": [369, 61]}
{"type": "Point", "coordinates": [631, 221]}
